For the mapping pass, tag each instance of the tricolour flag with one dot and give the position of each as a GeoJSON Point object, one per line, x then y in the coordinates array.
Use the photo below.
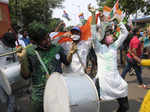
{"type": "Point", "coordinates": [114, 9]}
{"type": "Point", "coordinates": [109, 13]}
{"type": "Point", "coordinates": [66, 15]}
{"type": "Point", "coordinates": [85, 32]}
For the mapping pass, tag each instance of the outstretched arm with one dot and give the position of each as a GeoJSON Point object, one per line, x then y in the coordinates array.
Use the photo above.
{"type": "Point", "coordinates": [143, 62]}
{"type": "Point", "coordinates": [123, 35]}
{"type": "Point", "coordinates": [96, 43]}
{"type": "Point", "coordinates": [58, 27]}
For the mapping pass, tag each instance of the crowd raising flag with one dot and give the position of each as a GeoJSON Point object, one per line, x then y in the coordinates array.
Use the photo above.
{"type": "Point", "coordinates": [66, 15]}
{"type": "Point", "coordinates": [85, 32]}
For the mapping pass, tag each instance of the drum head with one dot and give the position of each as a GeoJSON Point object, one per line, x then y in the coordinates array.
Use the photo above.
{"type": "Point", "coordinates": [56, 97]}
{"type": "Point", "coordinates": [5, 83]}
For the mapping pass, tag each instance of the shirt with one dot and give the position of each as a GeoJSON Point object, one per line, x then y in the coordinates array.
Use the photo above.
{"type": "Point", "coordinates": [135, 43]}
{"type": "Point", "coordinates": [52, 58]}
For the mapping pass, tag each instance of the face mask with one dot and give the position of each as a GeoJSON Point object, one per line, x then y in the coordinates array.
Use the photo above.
{"type": "Point", "coordinates": [75, 37]}
{"type": "Point", "coordinates": [109, 40]}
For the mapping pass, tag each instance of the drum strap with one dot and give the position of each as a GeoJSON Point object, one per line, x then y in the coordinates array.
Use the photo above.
{"type": "Point", "coordinates": [41, 62]}
{"type": "Point", "coordinates": [80, 60]}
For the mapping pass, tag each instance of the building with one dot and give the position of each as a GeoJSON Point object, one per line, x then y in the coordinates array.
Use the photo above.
{"type": "Point", "coordinates": [4, 17]}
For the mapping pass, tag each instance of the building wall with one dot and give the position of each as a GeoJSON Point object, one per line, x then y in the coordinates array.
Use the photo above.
{"type": "Point", "coordinates": [4, 18]}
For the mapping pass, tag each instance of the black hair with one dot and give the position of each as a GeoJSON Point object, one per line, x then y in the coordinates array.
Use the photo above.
{"type": "Point", "coordinates": [9, 39]}
{"type": "Point", "coordinates": [136, 30]}
{"type": "Point", "coordinates": [108, 31]}
{"type": "Point", "coordinates": [128, 27]}
{"type": "Point", "coordinates": [37, 32]}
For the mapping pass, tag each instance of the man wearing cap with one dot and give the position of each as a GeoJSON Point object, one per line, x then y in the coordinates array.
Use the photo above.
{"type": "Point", "coordinates": [78, 61]}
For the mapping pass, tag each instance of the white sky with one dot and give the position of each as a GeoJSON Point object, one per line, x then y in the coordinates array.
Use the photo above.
{"type": "Point", "coordinates": [74, 8]}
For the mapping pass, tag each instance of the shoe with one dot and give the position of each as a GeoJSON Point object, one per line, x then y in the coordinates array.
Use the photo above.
{"type": "Point", "coordinates": [142, 86]}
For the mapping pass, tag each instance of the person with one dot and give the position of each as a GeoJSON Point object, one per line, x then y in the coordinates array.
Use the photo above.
{"type": "Point", "coordinates": [111, 84]}
{"type": "Point", "coordinates": [7, 44]}
{"type": "Point", "coordinates": [135, 46]}
{"type": "Point", "coordinates": [142, 62]}
{"type": "Point", "coordinates": [146, 42]}
{"type": "Point", "coordinates": [25, 38]}
{"type": "Point", "coordinates": [52, 56]}
{"type": "Point", "coordinates": [124, 47]}
{"type": "Point", "coordinates": [79, 58]}
{"type": "Point", "coordinates": [19, 41]}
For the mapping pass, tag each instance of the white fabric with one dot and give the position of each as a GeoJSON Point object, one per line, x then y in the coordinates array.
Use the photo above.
{"type": "Point", "coordinates": [67, 94]}
{"type": "Point", "coordinates": [83, 50]}
{"type": "Point", "coordinates": [52, 34]}
{"type": "Point", "coordinates": [21, 42]}
{"type": "Point", "coordinates": [112, 86]}
{"type": "Point", "coordinates": [3, 64]}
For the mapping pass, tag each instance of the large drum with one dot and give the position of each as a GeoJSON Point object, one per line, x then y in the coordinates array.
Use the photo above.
{"type": "Point", "coordinates": [72, 92]}
{"type": "Point", "coordinates": [12, 72]}
{"type": "Point", "coordinates": [11, 75]}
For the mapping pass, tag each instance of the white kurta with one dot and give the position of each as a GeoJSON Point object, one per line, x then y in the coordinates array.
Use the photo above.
{"type": "Point", "coordinates": [83, 50]}
{"type": "Point", "coordinates": [112, 86]}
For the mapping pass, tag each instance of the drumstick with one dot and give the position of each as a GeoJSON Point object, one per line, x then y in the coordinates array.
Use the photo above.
{"type": "Point", "coordinates": [13, 52]}
{"type": "Point", "coordinates": [8, 53]}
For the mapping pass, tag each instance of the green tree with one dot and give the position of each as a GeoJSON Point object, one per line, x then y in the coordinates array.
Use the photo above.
{"type": "Point", "coordinates": [53, 23]}
{"type": "Point", "coordinates": [27, 11]}
{"type": "Point", "coordinates": [129, 6]}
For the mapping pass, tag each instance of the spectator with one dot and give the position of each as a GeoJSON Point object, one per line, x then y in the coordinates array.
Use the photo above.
{"type": "Point", "coordinates": [135, 47]}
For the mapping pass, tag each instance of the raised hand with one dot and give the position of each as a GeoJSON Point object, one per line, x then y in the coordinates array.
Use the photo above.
{"type": "Point", "coordinates": [73, 49]}
{"type": "Point", "coordinates": [91, 9]}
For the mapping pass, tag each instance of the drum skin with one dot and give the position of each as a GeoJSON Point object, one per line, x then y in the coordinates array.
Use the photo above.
{"type": "Point", "coordinates": [5, 83]}
{"type": "Point", "coordinates": [12, 72]}
{"type": "Point", "coordinates": [68, 92]}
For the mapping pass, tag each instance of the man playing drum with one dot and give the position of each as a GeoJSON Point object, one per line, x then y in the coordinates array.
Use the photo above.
{"type": "Point", "coordinates": [50, 59]}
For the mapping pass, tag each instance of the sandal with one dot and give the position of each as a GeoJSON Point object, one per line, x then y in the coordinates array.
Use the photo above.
{"type": "Point", "coordinates": [143, 86]}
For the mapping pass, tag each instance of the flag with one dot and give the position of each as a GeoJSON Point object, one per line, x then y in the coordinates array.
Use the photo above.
{"type": "Point", "coordinates": [85, 32]}
{"type": "Point", "coordinates": [82, 19]}
{"type": "Point", "coordinates": [66, 15]}
{"type": "Point", "coordinates": [86, 28]}
{"type": "Point", "coordinates": [108, 12]}
{"type": "Point", "coordinates": [81, 16]}
{"type": "Point", "coordinates": [114, 9]}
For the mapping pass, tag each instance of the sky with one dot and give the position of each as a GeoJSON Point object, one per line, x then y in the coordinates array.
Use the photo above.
{"type": "Point", "coordinates": [74, 8]}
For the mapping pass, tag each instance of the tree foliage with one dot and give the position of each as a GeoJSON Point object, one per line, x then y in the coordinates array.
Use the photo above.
{"type": "Point", "coordinates": [53, 23]}
{"type": "Point", "coordinates": [27, 11]}
{"type": "Point", "coordinates": [129, 6]}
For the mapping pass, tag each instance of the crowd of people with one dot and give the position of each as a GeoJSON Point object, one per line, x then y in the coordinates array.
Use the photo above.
{"type": "Point", "coordinates": [40, 56]}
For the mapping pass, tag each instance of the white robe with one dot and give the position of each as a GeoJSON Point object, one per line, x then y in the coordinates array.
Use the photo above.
{"type": "Point", "coordinates": [112, 86]}
{"type": "Point", "coordinates": [83, 50]}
